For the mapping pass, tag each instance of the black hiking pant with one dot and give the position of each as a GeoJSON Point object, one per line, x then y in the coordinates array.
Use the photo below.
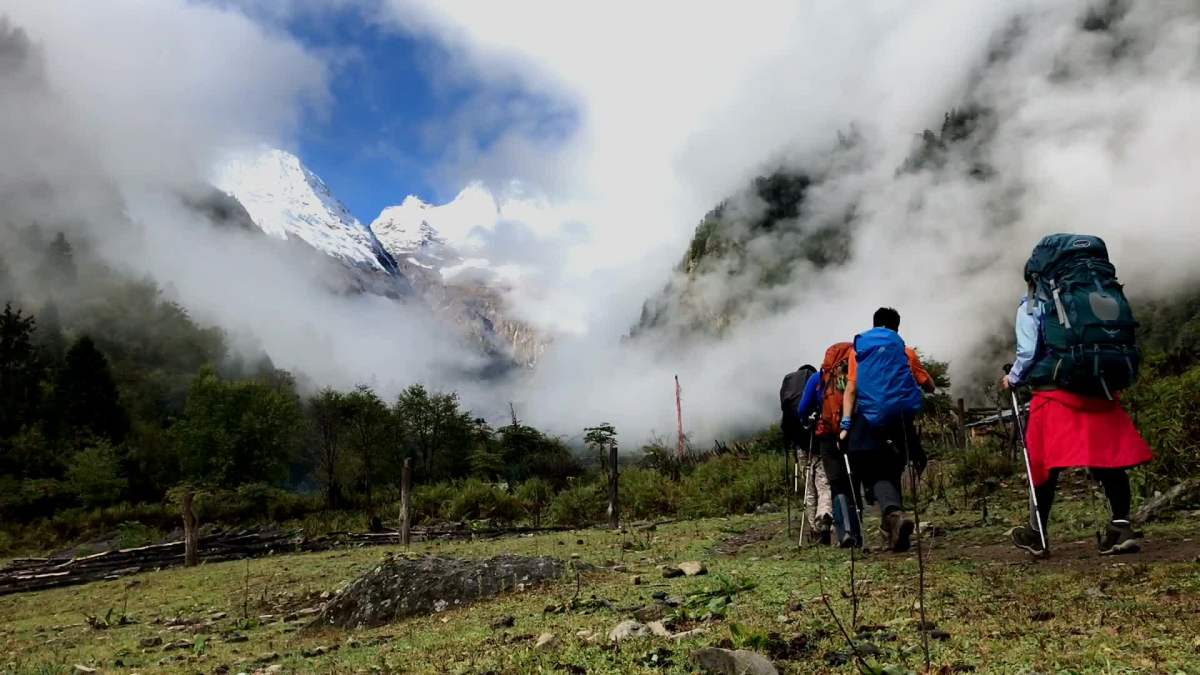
{"type": "Point", "coordinates": [877, 460]}
{"type": "Point", "coordinates": [1116, 489]}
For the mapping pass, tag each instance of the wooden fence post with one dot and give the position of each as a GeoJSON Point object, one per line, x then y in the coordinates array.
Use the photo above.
{"type": "Point", "coordinates": [614, 514]}
{"type": "Point", "coordinates": [405, 501]}
{"type": "Point", "coordinates": [962, 424]}
{"type": "Point", "coordinates": [191, 538]}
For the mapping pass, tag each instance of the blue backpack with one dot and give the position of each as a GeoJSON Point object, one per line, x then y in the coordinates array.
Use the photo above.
{"type": "Point", "coordinates": [887, 390]}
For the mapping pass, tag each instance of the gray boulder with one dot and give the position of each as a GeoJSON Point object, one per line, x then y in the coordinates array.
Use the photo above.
{"type": "Point", "coordinates": [399, 588]}
{"type": "Point", "coordinates": [732, 662]}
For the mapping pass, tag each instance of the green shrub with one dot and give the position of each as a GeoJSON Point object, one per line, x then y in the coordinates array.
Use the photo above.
{"type": "Point", "coordinates": [980, 468]}
{"type": "Point", "coordinates": [729, 484]}
{"type": "Point", "coordinates": [94, 474]}
{"type": "Point", "coordinates": [580, 504]}
{"type": "Point", "coordinates": [1164, 408]}
{"type": "Point", "coordinates": [477, 500]}
{"type": "Point", "coordinates": [535, 495]}
{"type": "Point", "coordinates": [432, 502]}
{"type": "Point", "coordinates": [645, 493]}
{"type": "Point", "coordinates": [131, 534]}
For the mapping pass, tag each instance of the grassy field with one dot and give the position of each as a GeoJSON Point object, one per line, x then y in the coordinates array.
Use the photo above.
{"type": "Point", "coordinates": [1077, 612]}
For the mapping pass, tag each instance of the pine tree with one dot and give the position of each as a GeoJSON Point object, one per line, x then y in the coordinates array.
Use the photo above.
{"type": "Point", "coordinates": [21, 372]}
{"type": "Point", "coordinates": [49, 336]}
{"type": "Point", "coordinates": [86, 401]}
{"type": "Point", "coordinates": [58, 265]}
{"type": "Point", "coordinates": [7, 288]}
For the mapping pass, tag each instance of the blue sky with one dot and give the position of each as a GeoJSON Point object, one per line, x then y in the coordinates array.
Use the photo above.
{"type": "Point", "coordinates": [369, 146]}
{"type": "Point", "coordinates": [385, 134]}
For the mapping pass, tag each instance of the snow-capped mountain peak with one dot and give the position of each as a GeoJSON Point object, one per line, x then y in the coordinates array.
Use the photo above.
{"type": "Point", "coordinates": [287, 201]}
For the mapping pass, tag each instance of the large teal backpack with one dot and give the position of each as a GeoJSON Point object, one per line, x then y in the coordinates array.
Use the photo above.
{"type": "Point", "coordinates": [1088, 334]}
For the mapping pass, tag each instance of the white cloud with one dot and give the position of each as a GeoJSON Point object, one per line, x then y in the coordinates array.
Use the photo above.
{"type": "Point", "coordinates": [679, 104]}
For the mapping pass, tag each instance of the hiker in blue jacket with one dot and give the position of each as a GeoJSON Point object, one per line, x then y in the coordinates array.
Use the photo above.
{"type": "Point", "coordinates": [878, 426]}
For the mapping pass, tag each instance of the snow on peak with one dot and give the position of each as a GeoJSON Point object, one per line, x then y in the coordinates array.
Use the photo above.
{"type": "Point", "coordinates": [288, 200]}
{"type": "Point", "coordinates": [404, 227]}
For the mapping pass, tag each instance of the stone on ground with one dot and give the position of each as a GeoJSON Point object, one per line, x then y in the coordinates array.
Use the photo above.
{"type": "Point", "coordinates": [546, 641]}
{"type": "Point", "coordinates": [732, 662]}
{"type": "Point", "coordinates": [628, 629]}
{"type": "Point", "coordinates": [399, 588]}
{"type": "Point", "coordinates": [693, 568]}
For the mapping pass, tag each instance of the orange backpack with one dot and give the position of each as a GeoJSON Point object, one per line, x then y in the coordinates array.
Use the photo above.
{"type": "Point", "coordinates": [833, 385]}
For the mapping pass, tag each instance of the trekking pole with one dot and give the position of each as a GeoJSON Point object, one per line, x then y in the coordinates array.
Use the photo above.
{"type": "Point", "coordinates": [1037, 512]}
{"type": "Point", "coordinates": [796, 485]}
{"type": "Point", "coordinates": [787, 494]}
{"type": "Point", "coordinates": [854, 496]}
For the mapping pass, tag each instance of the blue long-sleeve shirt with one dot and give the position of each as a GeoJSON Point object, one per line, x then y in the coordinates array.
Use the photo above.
{"type": "Point", "coordinates": [1028, 323]}
{"type": "Point", "coordinates": [810, 400]}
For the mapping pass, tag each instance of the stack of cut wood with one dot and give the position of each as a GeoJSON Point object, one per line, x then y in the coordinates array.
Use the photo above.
{"type": "Point", "coordinates": [28, 574]}
{"type": "Point", "coordinates": [446, 531]}
{"type": "Point", "coordinates": [32, 574]}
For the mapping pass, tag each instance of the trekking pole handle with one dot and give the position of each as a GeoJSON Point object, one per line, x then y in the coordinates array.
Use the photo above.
{"type": "Point", "coordinates": [1007, 367]}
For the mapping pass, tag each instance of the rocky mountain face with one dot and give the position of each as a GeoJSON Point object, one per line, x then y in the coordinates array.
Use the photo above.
{"type": "Point", "coordinates": [401, 255]}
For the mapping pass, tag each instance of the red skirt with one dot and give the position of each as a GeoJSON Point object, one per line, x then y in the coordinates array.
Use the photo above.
{"type": "Point", "coordinates": [1068, 430]}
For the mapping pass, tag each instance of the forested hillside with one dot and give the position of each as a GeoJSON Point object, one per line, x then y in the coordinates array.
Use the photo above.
{"type": "Point", "coordinates": [111, 395]}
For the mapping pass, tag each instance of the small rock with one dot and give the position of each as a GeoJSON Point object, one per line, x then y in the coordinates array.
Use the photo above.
{"type": "Point", "coordinates": [931, 530]}
{"type": "Point", "coordinates": [579, 542]}
{"type": "Point", "coordinates": [620, 568]}
{"type": "Point", "coordinates": [178, 644]}
{"type": "Point", "coordinates": [271, 656]}
{"type": "Point", "coordinates": [939, 635]}
{"type": "Point", "coordinates": [313, 653]}
{"type": "Point", "coordinates": [153, 641]}
{"type": "Point", "coordinates": [506, 621]}
{"type": "Point", "coordinates": [672, 601]}
{"type": "Point", "coordinates": [866, 648]}
{"type": "Point", "coordinates": [766, 507]}
{"type": "Point", "coordinates": [687, 634]}
{"type": "Point", "coordinates": [628, 629]}
{"type": "Point", "coordinates": [80, 668]}
{"type": "Point", "coordinates": [234, 638]}
{"type": "Point", "coordinates": [637, 580]}
{"type": "Point", "coordinates": [657, 628]}
{"type": "Point", "coordinates": [795, 606]}
{"type": "Point", "coordinates": [274, 668]}
{"type": "Point", "coordinates": [575, 556]}
{"type": "Point", "coordinates": [693, 568]}
{"type": "Point", "coordinates": [659, 595]}
{"type": "Point", "coordinates": [732, 662]}
{"type": "Point", "coordinates": [546, 641]}
{"type": "Point", "coordinates": [586, 635]}
{"type": "Point", "coordinates": [325, 595]}
{"type": "Point", "coordinates": [671, 571]}
{"type": "Point", "coordinates": [217, 616]}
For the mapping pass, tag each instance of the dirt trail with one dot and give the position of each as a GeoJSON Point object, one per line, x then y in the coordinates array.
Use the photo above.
{"type": "Point", "coordinates": [735, 544]}
{"type": "Point", "coordinates": [1081, 553]}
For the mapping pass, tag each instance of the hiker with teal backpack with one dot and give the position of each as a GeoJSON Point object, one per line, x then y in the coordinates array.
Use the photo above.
{"type": "Point", "coordinates": [878, 426]}
{"type": "Point", "coordinates": [1077, 349]}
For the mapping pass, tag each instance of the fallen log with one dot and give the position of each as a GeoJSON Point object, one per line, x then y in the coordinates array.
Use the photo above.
{"type": "Point", "coordinates": [1184, 493]}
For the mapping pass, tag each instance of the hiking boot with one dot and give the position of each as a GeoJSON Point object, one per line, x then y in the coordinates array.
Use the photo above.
{"type": "Point", "coordinates": [1119, 537]}
{"type": "Point", "coordinates": [825, 529]}
{"type": "Point", "coordinates": [1028, 539]}
{"type": "Point", "coordinates": [897, 528]}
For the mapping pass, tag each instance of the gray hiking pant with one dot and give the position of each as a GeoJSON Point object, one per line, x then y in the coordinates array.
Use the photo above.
{"type": "Point", "coordinates": [813, 483]}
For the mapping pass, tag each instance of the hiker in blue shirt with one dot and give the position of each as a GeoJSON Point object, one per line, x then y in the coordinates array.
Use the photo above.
{"type": "Point", "coordinates": [883, 396]}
